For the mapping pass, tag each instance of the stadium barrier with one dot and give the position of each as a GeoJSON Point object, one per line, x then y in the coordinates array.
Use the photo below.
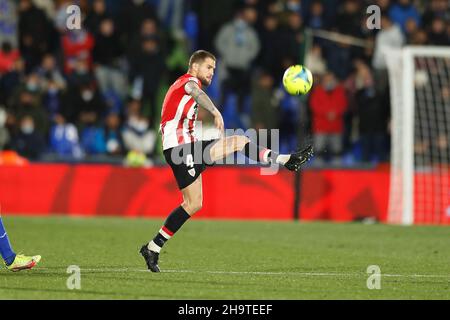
{"type": "Point", "coordinates": [229, 192]}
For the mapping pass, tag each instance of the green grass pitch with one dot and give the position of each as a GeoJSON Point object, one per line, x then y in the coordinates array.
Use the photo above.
{"type": "Point", "coordinates": [228, 260]}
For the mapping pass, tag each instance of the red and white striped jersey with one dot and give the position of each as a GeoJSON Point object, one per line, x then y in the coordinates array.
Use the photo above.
{"type": "Point", "coordinates": [178, 115]}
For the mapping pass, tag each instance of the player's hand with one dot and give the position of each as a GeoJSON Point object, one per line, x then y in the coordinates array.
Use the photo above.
{"type": "Point", "coordinates": [218, 122]}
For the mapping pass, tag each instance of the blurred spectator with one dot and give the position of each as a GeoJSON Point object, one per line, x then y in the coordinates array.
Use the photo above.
{"type": "Point", "coordinates": [107, 58]}
{"type": "Point", "coordinates": [384, 5]}
{"type": "Point", "coordinates": [48, 6]}
{"type": "Point", "coordinates": [95, 16]}
{"type": "Point", "coordinates": [49, 73]}
{"type": "Point", "coordinates": [238, 45]}
{"type": "Point", "coordinates": [315, 62]}
{"type": "Point", "coordinates": [51, 99]}
{"type": "Point", "coordinates": [438, 33]}
{"type": "Point", "coordinates": [316, 17]}
{"type": "Point", "coordinates": [83, 105]}
{"type": "Point", "coordinates": [149, 28]}
{"type": "Point", "coordinates": [293, 39]}
{"type": "Point", "coordinates": [212, 15]}
{"type": "Point", "coordinates": [339, 55]}
{"type": "Point", "coordinates": [403, 10]}
{"type": "Point", "coordinates": [179, 54]}
{"type": "Point", "coordinates": [28, 142]}
{"type": "Point", "coordinates": [77, 45]}
{"type": "Point", "coordinates": [144, 67]}
{"type": "Point", "coordinates": [372, 115]}
{"type": "Point", "coordinates": [411, 29]}
{"type": "Point", "coordinates": [64, 139]}
{"type": "Point", "coordinates": [8, 56]}
{"type": "Point", "coordinates": [27, 102]}
{"type": "Point", "coordinates": [348, 21]}
{"type": "Point", "coordinates": [436, 9]}
{"type": "Point", "coordinates": [113, 135]}
{"type": "Point", "coordinates": [8, 21]}
{"type": "Point", "coordinates": [339, 59]}
{"type": "Point", "coordinates": [60, 18]}
{"type": "Point", "coordinates": [171, 13]}
{"type": "Point", "coordinates": [93, 139]}
{"type": "Point", "coordinates": [264, 105]}
{"type": "Point", "coordinates": [271, 38]}
{"type": "Point", "coordinates": [390, 36]}
{"type": "Point", "coordinates": [420, 38]}
{"type": "Point", "coordinates": [4, 134]}
{"type": "Point", "coordinates": [137, 134]}
{"type": "Point", "coordinates": [34, 33]}
{"type": "Point", "coordinates": [289, 119]}
{"type": "Point", "coordinates": [328, 104]}
{"type": "Point", "coordinates": [294, 6]}
{"type": "Point", "coordinates": [10, 81]}
{"type": "Point", "coordinates": [81, 74]}
{"type": "Point", "coordinates": [132, 14]}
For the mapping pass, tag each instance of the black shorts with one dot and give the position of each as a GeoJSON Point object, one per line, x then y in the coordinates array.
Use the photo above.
{"type": "Point", "coordinates": [189, 160]}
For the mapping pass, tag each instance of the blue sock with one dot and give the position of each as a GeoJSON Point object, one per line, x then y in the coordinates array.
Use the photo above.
{"type": "Point", "coordinates": [5, 247]}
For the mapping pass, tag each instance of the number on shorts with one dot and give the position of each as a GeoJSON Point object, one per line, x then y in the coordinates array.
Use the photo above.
{"type": "Point", "coordinates": [189, 161]}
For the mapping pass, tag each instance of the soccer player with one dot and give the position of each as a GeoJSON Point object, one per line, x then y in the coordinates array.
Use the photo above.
{"type": "Point", "coordinates": [14, 262]}
{"type": "Point", "coordinates": [179, 112]}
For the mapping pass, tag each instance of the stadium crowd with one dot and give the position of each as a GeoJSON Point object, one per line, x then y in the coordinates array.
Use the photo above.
{"type": "Point", "coordinates": [97, 92]}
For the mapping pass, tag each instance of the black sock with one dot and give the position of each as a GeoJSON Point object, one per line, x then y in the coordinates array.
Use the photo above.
{"type": "Point", "coordinates": [259, 154]}
{"type": "Point", "coordinates": [172, 224]}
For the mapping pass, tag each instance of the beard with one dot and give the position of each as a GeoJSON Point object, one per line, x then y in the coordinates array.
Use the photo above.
{"type": "Point", "coordinates": [205, 82]}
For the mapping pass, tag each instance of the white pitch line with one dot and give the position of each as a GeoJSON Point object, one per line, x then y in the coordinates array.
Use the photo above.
{"type": "Point", "coordinates": [265, 273]}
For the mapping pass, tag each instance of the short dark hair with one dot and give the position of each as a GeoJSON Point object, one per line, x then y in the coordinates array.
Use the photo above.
{"type": "Point", "coordinates": [200, 56]}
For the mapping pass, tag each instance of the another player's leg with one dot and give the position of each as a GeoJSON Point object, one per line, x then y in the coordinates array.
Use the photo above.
{"type": "Point", "coordinates": [192, 202]}
{"type": "Point", "coordinates": [13, 261]}
{"type": "Point", "coordinates": [229, 145]}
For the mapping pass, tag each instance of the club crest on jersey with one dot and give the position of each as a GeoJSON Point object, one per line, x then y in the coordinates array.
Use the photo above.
{"type": "Point", "coordinates": [191, 172]}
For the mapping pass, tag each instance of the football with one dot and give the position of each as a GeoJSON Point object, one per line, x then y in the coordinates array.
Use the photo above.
{"type": "Point", "coordinates": [297, 80]}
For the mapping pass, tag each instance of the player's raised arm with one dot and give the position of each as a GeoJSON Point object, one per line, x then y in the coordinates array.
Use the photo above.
{"type": "Point", "coordinates": [204, 101]}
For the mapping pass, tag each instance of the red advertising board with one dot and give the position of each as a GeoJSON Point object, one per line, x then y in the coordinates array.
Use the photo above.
{"type": "Point", "coordinates": [229, 192]}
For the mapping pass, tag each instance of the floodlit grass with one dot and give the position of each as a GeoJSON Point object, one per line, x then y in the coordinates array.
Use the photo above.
{"type": "Point", "coordinates": [228, 260]}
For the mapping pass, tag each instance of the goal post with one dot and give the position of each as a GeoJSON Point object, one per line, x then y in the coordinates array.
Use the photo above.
{"type": "Point", "coordinates": [419, 79]}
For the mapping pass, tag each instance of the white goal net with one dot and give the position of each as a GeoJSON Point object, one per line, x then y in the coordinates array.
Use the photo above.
{"type": "Point", "coordinates": [420, 155]}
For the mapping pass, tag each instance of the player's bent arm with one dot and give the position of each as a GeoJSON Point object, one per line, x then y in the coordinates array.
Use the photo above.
{"type": "Point", "coordinates": [201, 98]}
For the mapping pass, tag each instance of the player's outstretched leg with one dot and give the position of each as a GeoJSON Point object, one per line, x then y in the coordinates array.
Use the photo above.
{"type": "Point", "coordinates": [192, 196]}
{"type": "Point", "coordinates": [14, 262]}
{"type": "Point", "coordinates": [242, 144]}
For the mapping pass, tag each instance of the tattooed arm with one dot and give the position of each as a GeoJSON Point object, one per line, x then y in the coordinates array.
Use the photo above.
{"type": "Point", "coordinates": [205, 102]}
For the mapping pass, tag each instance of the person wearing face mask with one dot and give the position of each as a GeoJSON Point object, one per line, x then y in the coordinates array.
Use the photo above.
{"type": "Point", "coordinates": [27, 102]}
{"type": "Point", "coordinates": [28, 142]}
{"type": "Point", "coordinates": [328, 103]}
{"type": "Point", "coordinates": [83, 105]}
